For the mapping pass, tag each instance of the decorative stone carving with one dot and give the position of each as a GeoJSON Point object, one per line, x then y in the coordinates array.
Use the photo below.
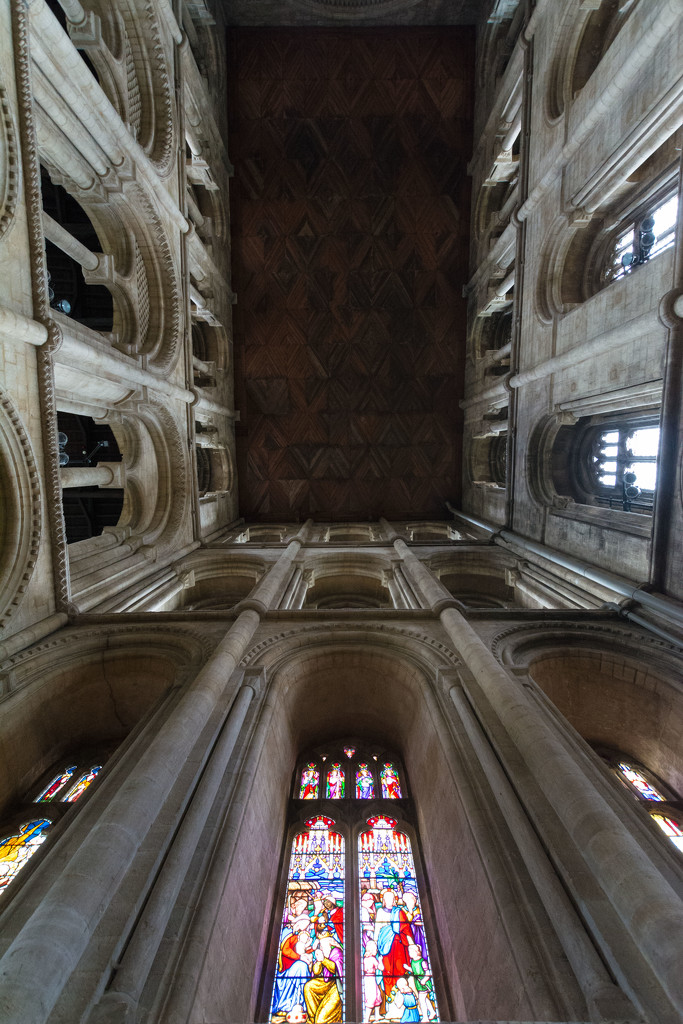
{"type": "Point", "coordinates": [20, 527]}
{"type": "Point", "coordinates": [9, 165]}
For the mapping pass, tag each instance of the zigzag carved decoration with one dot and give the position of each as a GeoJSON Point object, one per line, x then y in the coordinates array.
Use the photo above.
{"type": "Point", "coordinates": [350, 221]}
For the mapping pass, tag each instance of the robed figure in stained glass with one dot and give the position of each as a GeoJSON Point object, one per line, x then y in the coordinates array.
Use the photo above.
{"type": "Point", "coordinates": [397, 978]}
{"type": "Point", "coordinates": [365, 786]}
{"type": "Point", "coordinates": [335, 782]}
{"type": "Point", "coordinates": [57, 783]}
{"type": "Point", "coordinates": [391, 787]}
{"type": "Point", "coordinates": [309, 979]}
{"type": "Point", "coordinates": [16, 849]}
{"type": "Point", "coordinates": [322, 993]}
{"type": "Point", "coordinates": [310, 779]}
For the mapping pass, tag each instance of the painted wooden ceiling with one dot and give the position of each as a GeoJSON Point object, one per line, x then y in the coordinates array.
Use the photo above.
{"type": "Point", "coordinates": [350, 223]}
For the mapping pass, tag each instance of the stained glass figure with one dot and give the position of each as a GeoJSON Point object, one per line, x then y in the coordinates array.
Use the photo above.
{"type": "Point", "coordinates": [365, 786]}
{"type": "Point", "coordinates": [57, 783]}
{"type": "Point", "coordinates": [309, 978]}
{"type": "Point", "coordinates": [349, 751]}
{"type": "Point", "coordinates": [397, 977]}
{"type": "Point", "coordinates": [76, 791]}
{"type": "Point", "coordinates": [335, 782]}
{"type": "Point", "coordinates": [16, 849]}
{"type": "Point", "coordinates": [672, 829]}
{"type": "Point", "coordinates": [391, 787]}
{"type": "Point", "coordinates": [639, 782]}
{"type": "Point", "coordinates": [310, 783]}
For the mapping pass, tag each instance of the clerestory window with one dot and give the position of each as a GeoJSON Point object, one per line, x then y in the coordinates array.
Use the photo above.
{"type": "Point", "coordinates": [661, 803]}
{"type": "Point", "coordinates": [352, 941]}
{"type": "Point", "coordinates": [622, 465]}
{"type": "Point", "coordinates": [646, 236]}
{"type": "Point", "coordinates": [24, 833]}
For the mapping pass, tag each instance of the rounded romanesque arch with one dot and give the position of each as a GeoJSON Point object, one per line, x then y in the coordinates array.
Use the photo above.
{"type": "Point", "coordinates": [84, 689]}
{"type": "Point", "coordinates": [374, 684]}
{"type": "Point", "coordinates": [155, 496]}
{"type": "Point", "coordinates": [348, 581]}
{"type": "Point", "coordinates": [614, 690]}
{"type": "Point", "coordinates": [21, 520]}
{"type": "Point", "coordinates": [219, 581]}
{"type": "Point", "coordinates": [134, 71]}
{"type": "Point", "coordinates": [478, 579]}
{"type": "Point", "coordinates": [9, 164]}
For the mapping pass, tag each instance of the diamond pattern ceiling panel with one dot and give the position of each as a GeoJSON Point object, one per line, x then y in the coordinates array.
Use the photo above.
{"type": "Point", "coordinates": [350, 229]}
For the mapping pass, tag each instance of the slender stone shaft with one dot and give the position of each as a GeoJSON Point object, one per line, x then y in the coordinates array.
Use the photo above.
{"type": "Point", "coordinates": [47, 949]}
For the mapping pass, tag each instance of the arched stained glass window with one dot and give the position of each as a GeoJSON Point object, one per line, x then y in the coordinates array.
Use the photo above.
{"type": "Point", "coordinates": [397, 977]}
{"type": "Point", "coordinates": [57, 784]}
{"type": "Point", "coordinates": [84, 781]}
{"type": "Point", "coordinates": [335, 782]}
{"type": "Point", "coordinates": [313, 952]}
{"type": "Point", "coordinates": [639, 782]}
{"type": "Point", "coordinates": [18, 848]}
{"type": "Point", "coordinates": [671, 828]}
{"type": "Point", "coordinates": [365, 784]}
{"type": "Point", "coordinates": [310, 783]}
{"type": "Point", "coordinates": [309, 977]}
{"type": "Point", "coordinates": [391, 787]}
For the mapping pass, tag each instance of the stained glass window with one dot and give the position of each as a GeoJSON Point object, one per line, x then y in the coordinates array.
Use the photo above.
{"type": "Point", "coordinates": [310, 783]}
{"type": "Point", "coordinates": [335, 782]}
{"type": "Point", "coordinates": [397, 977]}
{"type": "Point", "coordinates": [365, 785]}
{"type": "Point", "coordinates": [391, 787]}
{"type": "Point", "coordinates": [309, 977]}
{"type": "Point", "coordinates": [349, 751]}
{"type": "Point", "coordinates": [56, 784]}
{"type": "Point", "coordinates": [16, 849]}
{"type": "Point", "coordinates": [672, 829]}
{"type": "Point", "coordinates": [84, 781]}
{"type": "Point", "coordinates": [646, 790]}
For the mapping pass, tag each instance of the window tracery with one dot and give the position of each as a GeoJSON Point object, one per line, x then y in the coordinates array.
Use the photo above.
{"type": "Point", "coordinates": [661, 803]}
{"type": "Point", "coordinates": [608, 461]}
{"type": "Point", "coordinates": [26, 830]}
{"type": "Point", "coordinates": [327, 967]}
{"type": "Point", "coordinates": [651, 232]}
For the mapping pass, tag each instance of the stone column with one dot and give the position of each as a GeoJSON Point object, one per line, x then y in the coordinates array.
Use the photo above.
{"type": "Point", "coordinates": [47, 950]}
{"type": "Point", "coordinates": [270, 589]}
{"type": "Point", "coordinates": [137, 960]}
{"type": "Point", "coordinates": [305, 581]}
{"type": "Point", "coordinates": [104, 474]}
{"type": "Point", "coordinates": [425, 582]}
{"type": "Point", "coordinates": [396, 596]}
{"type": "Point", "coordinates": [292, 587]}
{"type": "Point", "coordinates": [45, 953]}
{"type": "Point", "coordinates": [642, 897]}
{"type": "Point", "coordinates": [646, 903]}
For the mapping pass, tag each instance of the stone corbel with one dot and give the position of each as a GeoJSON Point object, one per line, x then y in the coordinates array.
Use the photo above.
{"type": "Point", "coordinates": [186, 579]}
{"type": "Point", "coordinates": [104, 273]}
{"type": "Point", "coordinates": [116, 177]}
{"type": "Point", "coordinates": [199, 173]}
{"type": "Point", "coordinates": [87, 34]}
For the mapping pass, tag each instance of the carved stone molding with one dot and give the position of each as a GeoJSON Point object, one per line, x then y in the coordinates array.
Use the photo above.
{"type": "Point", "coordinates": [20, 529]}
{"type": "Point", "coordinates": [518, 645]}
{"type": "Point", "coordinates": [329, 634]}
{"type": "Point", "coordinates": [76, 643]}
{"type": "Point", "coordinates": [41, 304]}
{"type": "Point", "coordinates": [9, 165]}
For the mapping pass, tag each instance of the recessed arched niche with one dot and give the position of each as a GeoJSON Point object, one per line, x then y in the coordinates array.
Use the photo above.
{"type": "Point", "coordinates": [619, 701]}
{"type": "Point", "coordinates": [324, 688]}
{"type": "Point", "coordinates": [348, 582]}
{"type": "Point", "coordinates": [90, 693]}
{"type": "Point", "coordinates": [219, 591]}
